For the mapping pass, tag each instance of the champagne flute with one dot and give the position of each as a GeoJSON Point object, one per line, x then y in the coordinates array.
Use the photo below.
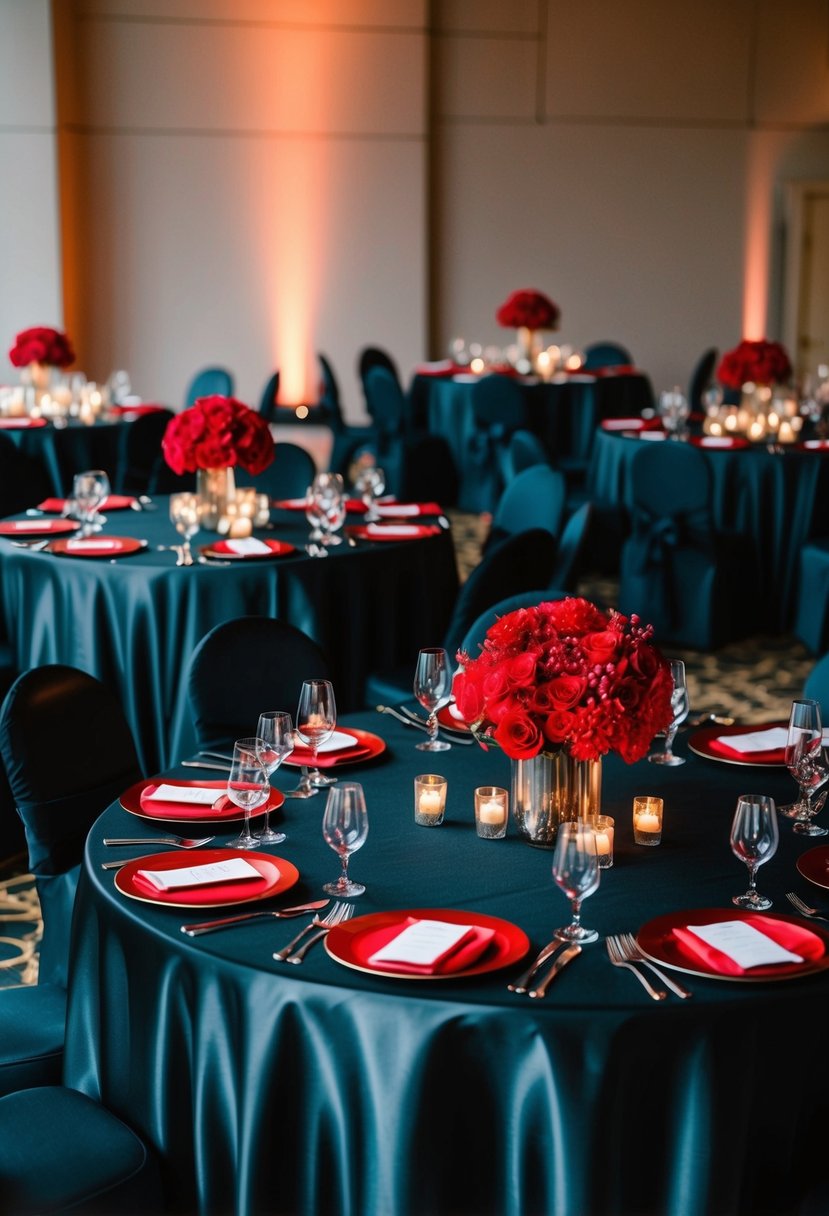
{"type": "Point", "coordinates": [754, 838]}
{"type": "Point", "coordinates": [345, 827]}
{"type": "Point", "coordinates": [185, 515]}
{"type": "Point", "coordinates": [805, 762]}
{"type": "Point", "coordinates": [247, 786]}
{"type": "Point", "coordinates": [89, 490]}
{"type": "Point", "coordinates": [276, 736]}
{"type": "Point", "coordinates": [576, 872]}
{"type": "Point", "coordinates": [316, 717]}
{"type": "Point", "coordinates": [433, 688]}
{"type": "Point", "coordinates": [679, 707]}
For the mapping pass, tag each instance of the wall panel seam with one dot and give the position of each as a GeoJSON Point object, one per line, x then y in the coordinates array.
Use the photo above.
{"type": "Point", "coordinates": [581, 120]}
{"type": "Point", "coordinates": [249, 23]}
{"type": "Point", "coordinates": [243, 133]}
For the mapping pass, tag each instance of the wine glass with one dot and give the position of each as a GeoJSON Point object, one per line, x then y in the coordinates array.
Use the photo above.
{"type": "Point", "coordinates": [345, 827]}
{"type": "Point", "coordinates": [679, 707]}
{"type": "Point", "coordinates": [275, 733]}
{"type": "Point", "coordinates": [316, 717]}
{"type": "Point", "coordinates": [805, 762]}
{"type": "Point", "coordinates": [328, 492]}
{"type": "Point", "coordinates": [315, 515]}
{"type": "Point", "coordinates": [370, 484]}
{"type": "Point", "coordinates": [433, 688]}
{"type": "Point", "coordinates": [754, 838]}
{"type": "Point", "coordinates": [576, 872]}
{"type": "Point", "coordinates": [674, 410]}
{"type": "Point", "coordinates": [89, 490]}
{"type": "Point", "coordinates": [247, 786]}
{"type": "Point", "coordinates": [185, 515]}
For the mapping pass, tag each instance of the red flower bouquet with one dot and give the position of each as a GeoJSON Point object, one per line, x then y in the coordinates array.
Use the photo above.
{"type": "Point", "coordinates": [42, 345]}
{"type": "Point", "coordinates": [528, 309]}
{"type": "Point", "coordinates": [756, 362]}
{"type": "Point", "coordinates": [565, 674]}
{"type": "Point", "coordinates": [217, 432]}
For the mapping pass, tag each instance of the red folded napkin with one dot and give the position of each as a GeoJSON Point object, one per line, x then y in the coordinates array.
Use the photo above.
{"type": "Point", "coordinates": [112, 502]}
{"type": "Point", "coordinates": [403, 510]}
{"type": "Point", "coordinates": [775, 755]}
{"type": "Point", "coordinates": [445, 367]}
{"type": "Point", "coordinates": [467, 952]}
{"type": "Point", "coordinates": [791, 937]}
{"type": "Point", "coordinates": [302, 755]}
{"type": "Point", "coordinates": [21, 424]}
{"type": "Point", "coordinates": [143, 407]}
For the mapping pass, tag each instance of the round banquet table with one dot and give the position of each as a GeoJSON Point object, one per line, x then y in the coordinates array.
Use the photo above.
{"type": "Point", "coordinates": [66, 450]}
{"type": "Point", "coordinates": [775, 499]}
{"type": "Point", "coordinates": [321, 1088]}
{"type": "Point", "coordinates": [563, 413]}
{"type": "Point", "coordinates": [133, 621]}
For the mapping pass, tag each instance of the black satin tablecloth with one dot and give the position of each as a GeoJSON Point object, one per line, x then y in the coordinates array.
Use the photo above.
{"type": "Point", "coordinates": [311, 1089]}
{"type": "Point", "coordinates": [774, 499]}
{"type": "Point", "coordinates": [133, 621]}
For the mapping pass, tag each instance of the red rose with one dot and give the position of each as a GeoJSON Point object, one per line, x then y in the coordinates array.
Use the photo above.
{"type": "Point", "coordinates": [566, 691]}
{"type": "Point", "coordinates": [760, 362]}
{"type": "Point", "coordinates": [468, 698]}
{"type": "Point", "coordinates": [42, 345]}
{"type": "Point", "coordinates": [217, 432]}
{"type": "Point", "coordinates": [559, 725]}
{"type": "Point", "coordinates": [521, 670]}
{"type": "Point", "coordinates": [518, 735]}
{"type": "Point", "coordinates": [528, 309]}
{"type": "Point", "coordinates": [600, 647]}
{"type": "Point", "coordinates": [495, 684]}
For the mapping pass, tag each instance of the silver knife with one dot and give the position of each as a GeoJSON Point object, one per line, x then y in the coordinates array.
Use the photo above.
{"type": "Point", "coordinates": [208, 926]}
{"type": "Point", "coordinates": [563, 959]}
{"type": "Point", "coordinates": [217, 755]}
{"type": "Point", "coordinates": [520, 985]}
{"type": "Point", "coordinates": [222, 768]}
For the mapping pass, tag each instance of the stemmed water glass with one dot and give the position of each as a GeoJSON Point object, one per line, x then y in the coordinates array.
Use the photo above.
{"type": "Point", "coordinates": [754, 838]}
{"type": "Point", "coordinates": [345, 827]}
{"type": "Point", "coordinates": [370, 484]}
{"type": "Point", "coordinates": [576, 872]}
{"type": "Point", "coordinates": [275, 733]}
{"type": "Point", "coordinates": [679, 707]}
{"type": "Point", "coordinates": [316, 717]}
{"type": "Point", "coordinates": [328, 493]}
{"type": "Point", "coordinates": [805, 762]}
{"type": "Point", "coordinates": [674, 410]}
{"type": "Point", "coordinates": [89, 490]}
{"type": "Point", "coordinates": [185, 515]}
{"type": "Point", "coordinates": [433, 689]}
{"type": "Point", "coordinates": [247, 786]}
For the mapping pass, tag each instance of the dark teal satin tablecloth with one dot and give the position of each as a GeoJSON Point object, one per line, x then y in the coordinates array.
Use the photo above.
{"type": "Point", "coordinates": [321, 1089]}
{"type": "Point", "coordinates": [67, 450]}
{"type": "Point", "coordinates": [133, 622]}
{"type": "Point", "coordinates": [776, 500]}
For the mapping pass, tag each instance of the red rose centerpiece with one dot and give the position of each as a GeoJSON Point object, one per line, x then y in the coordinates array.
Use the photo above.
{"type": "Point", "coordinates": [556, 687]}
{"type": "Point", "coordinates": [210, 438]}
{"type": "Point", "coordinates": [39, 350]}
{"type": "Point", "coordinates": [752, 362]}
{"type": "Point", "coordinates": [528, 311]}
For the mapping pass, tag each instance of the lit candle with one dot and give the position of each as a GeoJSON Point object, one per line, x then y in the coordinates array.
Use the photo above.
{"type": "Point", "coordinates": [240, 527]}
{"type": "Point", "coordinates": [603, 830]}
{"type": "Point", "coordinates": [429, 799]}
{"type": "Point", "coordinates": [647, 820]}
{"type": "Point", "coordinates": [491, 812]}
{"type": "Point", "coordinates": [429, 803]}
{"type": "Point", "coordinates": [786, 432]}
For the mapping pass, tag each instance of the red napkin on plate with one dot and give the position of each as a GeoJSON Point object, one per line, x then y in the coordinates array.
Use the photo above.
{"type": "Point", "coordinates": [143, 407]}
{"type": "Point", "coordinates": [467, 952]}
{"type": "Point", "coordinates": [112, 502]}
{"type": "Point", "coordinates": [792, 937]}
{"type": "Point", "coordinates": [776, 755]}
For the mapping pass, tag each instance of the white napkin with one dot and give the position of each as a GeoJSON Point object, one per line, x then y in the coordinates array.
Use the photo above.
{"type": "Point", "coordinates": [195, 795]}
{"type": "Point", "coordinates": [235, 869]}
{"type": "Point", "coordinates": [337, 743]}
{"type": "Point", "coordinates": [653, 436]}
{"type": "Point", "coordinates": [392, 530]}
{"type": "Point", "coordinates": [400, 508]}
{"type": "Point", "coordinates": [29, 525]}
{"type": "Point", "coordinates": [743, 944]}
{"type": "Point", "coordinates": [758, 741]}
{"type": "Point", "coordinates": [716, 441]}
{"type": "Point", "coordinates": [92, 544]}
{"type": "Point", "coordinates": [422, 943]}
{"type": "Point", "coordinates": [248, 546]}
{"type": "Point", "coordinates": [622, 424]}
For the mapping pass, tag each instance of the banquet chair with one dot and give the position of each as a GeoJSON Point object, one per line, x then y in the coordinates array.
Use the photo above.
{"type": "Point", "coordinates": [811, 623]}
{"type": "Point", "coordinates": [374, 356]}
{"type": "Point", "coordinates": [243, 667]}
{"type": "Point", "coordinates": [572, 543]}
{"type": "Point", "coordinates": [519, 563]}
{"type": "Point", "coordinates": [60, 1151]}
{"type": "Point", "coordinates": [606, 354]}
{"type": "Point", "coordinates": [477, 631]}
{"type": "Point", "coordinates": [49, 720]}
{"type": "Point", "coordinates": [139, 452]}
{"type": "Point", "coordinates": [677, 571]}
{"type": "Point", "coordinates": [289, 474]}
{"type": "Point", "coordinates": [701, 378]}
{"type": "Point", "coordinates": [348, 439]}
{"type": "Point", "coordinates": [267, 402]}
{"type": "Point", "coordinates": [816, 687]}
{"type": "Point", "coordinates": [533, 499]}
{"type": "Point", "coordinates": [498, 410]}
{"type": "Point", "coordinates": [209, 382]}
{"type": "Point", "coordinates": [523, 452]}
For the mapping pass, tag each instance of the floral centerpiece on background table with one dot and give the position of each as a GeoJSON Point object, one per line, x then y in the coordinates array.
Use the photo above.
{"type": "Point", "coordinates": [754, 362]}
{"type": "Point", "coordinates": [556, 687]}
{"type": "Point", "coordinates": [38, 350]}
{"type": "Point", "coordinates": [528, 311]}
{"type": "Point", "coordinates": [210, 438]}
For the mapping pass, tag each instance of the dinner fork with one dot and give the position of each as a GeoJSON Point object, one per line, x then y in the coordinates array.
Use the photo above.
{"type": "Point", "coordinates": [324, 923]}
{"type": "Point", "coordinates": [804, 909]}
{"type": "Point", "coordinates": [614, 953]}
{"type": "Point", "coordinates": [298, 955]}
{"type": "Point", "coordinates": [177, 842]}
{"type": "Point", "coordinates": [633, 952]}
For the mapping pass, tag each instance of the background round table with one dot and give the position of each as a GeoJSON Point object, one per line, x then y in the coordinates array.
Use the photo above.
{"type": "Point", "coordinates": [271, 1088]}
{"type": "Point", "coordinates": [68, 449]}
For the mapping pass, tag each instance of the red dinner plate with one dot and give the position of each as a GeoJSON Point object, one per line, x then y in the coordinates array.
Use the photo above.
{"type": "Point", "coordinates": [657, 940]}
{"type": "Point", "coordinates": [701, 741]}
{"type": "Point", "coordinates": [276, 876]}
{"type": "Point", "coordinates": [134, 800]}
{"type": "Point", "coordinates": [220, 548]}
{"type": "Point", "coordinates": [121, 546]}
{"type": "Point", "coordinates": [21, 424]}
{"type": "Point", "coordinates": [393, 532]}
{"type": "Point", "coordinates": [814, 866]}
{"type": "Point", "coordinates": [113, 502]}
{"type": "Point", "coordinates": [353, 942]}
{"type": "Point", "coordinates": [37, 527]}
{"type": "Point", "coordinates": [448, 719]}
{"type": "Point", "coordinates": [368, 746]}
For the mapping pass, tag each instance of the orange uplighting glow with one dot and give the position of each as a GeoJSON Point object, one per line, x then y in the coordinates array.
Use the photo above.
{"type": "Point", "coordinates": [758, 230]}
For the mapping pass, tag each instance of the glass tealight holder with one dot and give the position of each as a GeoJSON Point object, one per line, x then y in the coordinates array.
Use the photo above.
{"type": "Point", "coordinates": [647, 820]}
{"type": "Point", "coordinates": [429, 799]}
{"type": "Point", "coordinates": [603, 827]}
{"type": "Point", "coordinates": [491, 807]}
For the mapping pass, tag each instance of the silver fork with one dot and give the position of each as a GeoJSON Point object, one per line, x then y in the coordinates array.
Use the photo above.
{"type": "Point", "coordinates": [346, 913]}
{"type": "Point", "coordinates": [177, 842]}
{"type": "Point", "coordinates": [633, 953]}
{"type": "Point", "coordinates": [330, 919]}
{"type": "Point", "coordinates": [804, 909]}
{"type": "Point", "coordinates": [614, 953]}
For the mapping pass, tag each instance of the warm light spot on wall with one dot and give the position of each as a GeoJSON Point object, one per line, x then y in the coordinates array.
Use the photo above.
{"type": "Point", "coordinates": [302, 411]}
{"type": "Point", "coordinates": [758, 232]}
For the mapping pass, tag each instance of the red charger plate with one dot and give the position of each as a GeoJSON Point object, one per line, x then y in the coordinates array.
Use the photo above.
{"type": "Point", "coordinates": [21, 424]}
{"type": "Point", "coordinates": [123, 545]}
{"type": "Point", "coordinates": [814, 866]}
{"type": "Point", "coordinates": [390, 532]}
{"type": "Point", "coordinates": [223, 810]}
{"type": "Point", "coordinates": [278, 548]}
{"type": "Point", "coordinates": [448, 719]}
{"type": "Point", "coordinates": [700, 743]}
{"type": "Point", "coordinates": [368, 746]}
{"type": "Point", "coordinates": [353, 942]}
{"type": "Point", "coordinates": [112, 502]}
{"type": "Point", "coordinates": [658, 942]}
{"type": "Point", "coordinates": [37, 527]}
{"type": "Point", "coordinates": [713, 443]}
{"type": "Point", "coordinates": [277, 875]}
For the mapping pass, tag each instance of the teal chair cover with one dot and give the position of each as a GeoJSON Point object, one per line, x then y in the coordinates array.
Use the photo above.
{"type": "Point", "coordinates": [474, 637]}
{"type": "Point", "coordinates": [816, 687]}
{"type": "Point", "coordinates": [498, 410]}
{"type": "Point", "coordinates": [348, 439]}
{"type": "Point", "coordinates": [607, 354]}
{"type": "Point", "coordinates": [289, 474]}
{"type": "Point", "coordinates": [32, 1032]}
{"type": "Point", "coordinates": [209, 382]}
{"type": "Point", "coordinates": [533, 499]}
{"type": "Point", "coordinates": [60, 1151]}
{"type": "Point", "coordinates": [267, 402]}
{"type": "Point", "coordinates": [811, 624]}
{"type": "Point", "coordinates": [139, 456]}
{"type": "Point", "coordinates": [523, 451]}
{"type": "Point", "coordinates": [701, 378]}
{"type": "Point", "coordinates": [571, 548]}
